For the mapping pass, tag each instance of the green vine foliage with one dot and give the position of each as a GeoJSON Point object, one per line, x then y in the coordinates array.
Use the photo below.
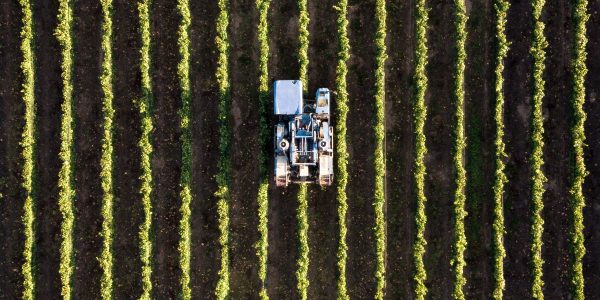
{"type": "Point", "coordinates": [502, 46]}
{"type": "Point", "coordinates": [458, 262]}
{"type": "Point", "coordinates": [224, 164]}
{"type": "Point", "coordinates": [146, 106]}
{"type": "Point", "coordinates": [303, 42]}
{"type": "Point", "coordinates": [106, 159]}
{"type": "Point", "coordinates": [341, 147]}
{"type": "Point", "coordinates": [183, 72]}
{"type": "Point", "coordinates": [537, 161]}
{"type": "Point", "coordinates": [28, 144]}
{"type": "Point", "coordinates": [66, 187]}
{"type": "Point", "coordinates": [263, 189]}
{"type": "Point", "coordinates": [420, 115]}
{"type": "Point", "coordinates": [303, 259]}
{"type": "Point", "coordinates": [379, 157]}
{"type": "Point", "coordinates": [579, 71]}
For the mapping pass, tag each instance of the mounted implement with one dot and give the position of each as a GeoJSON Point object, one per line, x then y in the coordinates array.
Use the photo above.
{"type": "Point", "coordinates": [303, 135]}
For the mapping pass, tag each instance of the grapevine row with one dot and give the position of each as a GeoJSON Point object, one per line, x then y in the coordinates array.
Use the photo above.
{"type": "Point", "coordinates": [183, 72]}
{"type": "Point", "coordinates": [500, 179]}
{"type": "Point", "coordinates": [379, 155]}
{"type": "Point", "coordinates": [579, 71]}
{"type": "Point", "coordinates": [302, 216]}
{"type": "Point", "coordinates": [224, 164]}
{"type": "Point", "coordinates": [145, 144]}
{"type": "Point", "coordinates": [263, 188]}
{"type": "Point", "coordinates": [106, 159]}
{"type": "Point", "coordinates": [66, 187]}
{"type": "Point", "coordinates": [342, 148]}
{"type": "Point", "coordinates": [459, 239]}
{"type": "Point", "coordinates": [420, 115]}
{"type": "Point", "coordinates": [538, 47]}
{"type": "Point", "coordinates": [28, 144]}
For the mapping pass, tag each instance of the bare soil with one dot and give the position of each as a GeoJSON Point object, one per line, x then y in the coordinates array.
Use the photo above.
{"type": "Point", "coordinates": [11, 122]}
{"type": "Point", "coordinates": [88, 122]}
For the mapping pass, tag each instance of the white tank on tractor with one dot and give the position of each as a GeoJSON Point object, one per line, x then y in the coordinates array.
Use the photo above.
{"type": "Point", "coordinates": [303, 135]}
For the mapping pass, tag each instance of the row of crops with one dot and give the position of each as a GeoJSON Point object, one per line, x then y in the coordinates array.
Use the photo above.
{"type": "Point", "coordinates": [145, 107]}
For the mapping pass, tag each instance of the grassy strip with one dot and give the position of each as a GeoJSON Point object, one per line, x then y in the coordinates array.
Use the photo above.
{"type": "Point", "coordinates": [420, 115]}
{"type": "Point", "coordinates": [146, 107]}
{"type": "Point", "coordinates": [66, 187]}
{"type": "Point", "coordinates": [579, 71]}
{"type": "Point", "coordinates": [224, 165]}
{"type": "Point", "coordinates": [537, 139]}
{"type": "Point", "coordinates": [263, 189]}
{"type": "Point", "coordinates": [459, 244]}
{"type": "Point", "coordinates": [106, 159]}
{"type": "Point", "coordinates": [28, 144]}
{"type": "Point", "coordinates": [342, 148]}
{"type": "Point", "coordinates": [501, 7]}
{"type": "Point", "coordinates": [183, 72]}
{"type": "Point", "coordinates": [303, 258]}
{"type": "Point", "coordinates": [379, 155]}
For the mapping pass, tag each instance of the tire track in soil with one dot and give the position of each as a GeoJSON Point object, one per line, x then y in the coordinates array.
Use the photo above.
{"type": "Point", "coordinates": [283, 241]}
{"type": "Point", "coordinates": [439, 181]}
{"type": "Point", "coordinates": [557, 150]}
{"type": "Point", "coordinates": [591, 260]}
{"type": "Point", "coordinates": [517, 195]}
{"type": "Point", "coordinates": [87, 146]}
{"type": "Point", "coordinates": [480, 151]}
{"type": "Point", "coordinates": [361, 147]}
{"type": "Point", "coordinates": [48, 95]}
{"type": "Point", "coordinates": [244, 75]}
{"type": "Point", "coordinates": [205, 153]}
{"type": "Point", "coordinates": [11, 124]}
{"type": "Point", "coordinates": [127, 206]}
{"type": "Point", "coordinates": [322, 203]}
{"type": "Point", "coordinates": [166, 158]}
{"type": "Point", "coordinates": [400, 148]}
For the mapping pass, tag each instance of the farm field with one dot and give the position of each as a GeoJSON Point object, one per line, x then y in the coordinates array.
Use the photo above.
{"type": "Point", "coordinates": [136, 156]}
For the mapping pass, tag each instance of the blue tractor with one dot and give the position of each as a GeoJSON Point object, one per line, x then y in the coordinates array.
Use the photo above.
{"type": "Point", "coordinates": [303, 135]}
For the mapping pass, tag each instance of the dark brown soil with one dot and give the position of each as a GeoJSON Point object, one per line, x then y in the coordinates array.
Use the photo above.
{"type": "Point", "coordinates": [166, 157]}
{"type": "Point", "coordinates": [127, 210]}
{"type": "Point", "coordinates": [400, 148]}
{"type": "Point", "coordinates": [205, 233]}
{"type": "Point", "coordinates": [480, 152]}
{"type": "Point", "coordinates": [88, 116]}
{"type": "Point", "coordinates": [283, 243]}
{"type": "Point", "coordinates": [361, 146]}
{"type": "Point", "coordinates": [11, 122]}
{"type": "Point", "coordinates": [518, 145]}
{"type": "Point", "coordinates": [592, 157]}
{"type": "Point", "coordinates": [557, 112]}
{"type": "Point", "coordinates": [439, 182]}
{"type": "Point", "coordinates": [48, 93]}
{"type": "Point", "coordinates": [322, 204]}
{"type": "Point", "coordinates": [243, 232]}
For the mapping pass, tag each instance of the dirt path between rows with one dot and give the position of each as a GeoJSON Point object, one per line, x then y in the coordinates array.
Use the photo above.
{"type": "Point", "coordinates": [518, 146]}
{"type": "Point", "coordinates": [400, 148]}
{"type": "Point", "coordinates": [361, 146]}
{"type": "Point", "coordinates": [205, 153]}
{"type": "Point", "coordinates": [11, 123]}
{"type": "Point", "coordinates": [48, 93]}
{"type": "Point", "coordinates": [88, 123]}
